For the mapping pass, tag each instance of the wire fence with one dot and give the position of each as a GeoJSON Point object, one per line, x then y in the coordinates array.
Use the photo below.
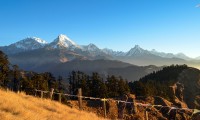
{"type": "Point", "coordinates": [136, 104]}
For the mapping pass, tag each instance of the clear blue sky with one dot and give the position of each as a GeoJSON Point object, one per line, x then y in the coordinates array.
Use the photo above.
{"type": "Point", "coordinates": [164, 25]}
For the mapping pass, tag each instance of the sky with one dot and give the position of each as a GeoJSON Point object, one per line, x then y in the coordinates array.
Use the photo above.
{"type": "Point", "coordinates": [171, 26]}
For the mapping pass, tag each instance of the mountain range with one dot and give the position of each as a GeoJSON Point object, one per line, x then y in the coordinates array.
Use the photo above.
{"type": "Point", "coordinates": [61, 56]}
{"type": "Point", "coordinates": [64, 42]}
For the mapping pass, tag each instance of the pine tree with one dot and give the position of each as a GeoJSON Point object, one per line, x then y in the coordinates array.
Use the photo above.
{"type": "Point", "coordinates": [4, 70]}
{"type": "Point", "coordinates": [51, 80]}
{"type": "Point", "coordinates": [98, 87]}
{"type": "Point", "coordinates": [123, 87]}
{"type": "Point", "coordinates": [16, 78]}
{"type": "Point", "coordinates": [112, 85]}
{"type": "Point", "coordinates": [60, 84]}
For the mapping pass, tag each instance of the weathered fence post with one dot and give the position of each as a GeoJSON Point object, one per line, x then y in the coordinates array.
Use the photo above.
{"type": "Point", "coordinates": [60, 97]}
{"type": "Point", "coordinates": [146, 114]}
{"type": "Point", "coordinates": [51, 93]}
{"type": "Point", "coordinates": [134, 107]}
{"type": "Point", "coordinates": [80, 98]}
{"type": "Point", "coordinates": [41, 94]}
{"type": "Point", "coordinates": [35, 92]}
{"type": "Point", "coordinates": [104, 106]}
{"type": "Point", "coordinates": [122, 106]}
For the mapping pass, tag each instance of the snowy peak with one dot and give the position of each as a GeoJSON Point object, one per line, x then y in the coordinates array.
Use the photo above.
{"type": "Point", "coordinates": [91, 47]}
{"type": "Point", "coordinates": [182, 56]}
{"type": "Point", "coordinates": [197, 58]}
{"type": "Point", "coordinates": [162, 54]}
{"type": "Point", "coordinates": [170, 55]}
{"type": "Point", "coordinates": [39, 40]}
{"type": "Point", "coordinates": [30, 43]}
{"type": "Point", "coordinates": [137, 50]}
{"type": "Point", "coordinates": [62, 41]}
{"type": "Point", "coordinates": [113, 53]}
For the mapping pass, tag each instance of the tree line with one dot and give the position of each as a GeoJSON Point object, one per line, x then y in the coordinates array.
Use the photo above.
{"type": "Point", "coordinates": [94, 85]}
{"type": "Point", "coordinates": [18, 80]}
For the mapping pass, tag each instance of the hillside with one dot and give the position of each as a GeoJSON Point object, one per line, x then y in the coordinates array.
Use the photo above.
{"type": "Point", "coordinates": [177, 83]}
{"type": "Point", "coordinates": [22, 107]}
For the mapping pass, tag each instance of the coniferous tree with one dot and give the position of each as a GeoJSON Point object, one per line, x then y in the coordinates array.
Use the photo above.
{"type": "Point", "coordinates": [112, 85]}
{"type": "Point", "coordinates": [84, 84]}
{"type": "Point", "coordinates": [16, 78]}
{"type": "Point", "coordinates": [99, 88]}
{"type": "Point", "coordinates": [4, 70]}
{"type": "Point", "coordinates": [51, 80]}
{"type": "Point", "coordinates": [39, 82]}
{"type": "Point", "coordinates": [60, 84]}
{"type": "Point", "coordinates": [123, 87]}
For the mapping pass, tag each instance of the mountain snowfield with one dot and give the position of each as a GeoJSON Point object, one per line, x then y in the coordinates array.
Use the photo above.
{"type": "Point", "coordinates": [30, 43]}
{"type": "Point", "coordinates": [64, 42]}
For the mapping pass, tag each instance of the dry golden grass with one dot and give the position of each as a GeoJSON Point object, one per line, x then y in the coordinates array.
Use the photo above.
{"type": "Point", "coordinates": [22, 107]}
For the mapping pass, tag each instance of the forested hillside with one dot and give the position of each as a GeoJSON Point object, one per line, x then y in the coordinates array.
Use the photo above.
{"type": "Point", "coordinates": [176, 83]}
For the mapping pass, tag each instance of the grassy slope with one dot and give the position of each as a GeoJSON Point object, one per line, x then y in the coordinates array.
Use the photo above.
{"type": "Point", "coordinates": [22, 107]}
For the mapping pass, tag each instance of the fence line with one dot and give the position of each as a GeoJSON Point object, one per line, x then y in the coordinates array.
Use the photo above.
{"type": "Point", "coordinates": [137, 103]}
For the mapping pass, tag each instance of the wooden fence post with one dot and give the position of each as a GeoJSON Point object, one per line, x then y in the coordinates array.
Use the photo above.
{"type": "Point", "coordinates": [41, 94]}
{"type": "Point", "coordinates": [134, 107]}
{"type": "Point", "coordinates": [35, 92]}
{"type": "Point", "coordinates": [146, 114]}
{"type": "Point", "coordinates": [104, 106]}
{"type": "Point", "coordinates": [60, 97]}
{"type": "Point", "coordinates": [51, 93]}
{"type": "Point", "coordinates": [80, 98]}
{"type": "Point", "coordinates": [122, 107]}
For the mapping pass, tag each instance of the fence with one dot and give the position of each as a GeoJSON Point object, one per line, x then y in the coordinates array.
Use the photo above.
{"type": "Point", "coordinates": [135, 104]}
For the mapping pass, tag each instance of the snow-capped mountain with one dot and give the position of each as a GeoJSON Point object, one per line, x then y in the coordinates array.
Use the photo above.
{"type": "Point", "coordinates": [137, 51]}
{"type": "Point", "coordinates": [91, 47]}
{"type": "Point", "coordinates": [183, 56]}
{"type": "Point", "coordinates": [197, 58]}
{"type": "Point", "coordinates": [29, 43]}
{"type": "Point", "coordinates": [63, 49]}
{"type": "Point", "coordinates": [162, 54]}
{"type": "Point", "coordinates": [93, 52]}
{"type": "Point", "coordinates": [113, 53]}
{"type": "Point", "coordinates": [64, 42]}
{"type": "Point", "coordinates": [170, 55]}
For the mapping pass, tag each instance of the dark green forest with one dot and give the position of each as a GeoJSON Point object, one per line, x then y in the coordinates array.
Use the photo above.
{"type": "Point", "coordinates": [154, 84]}
{"type": "Point", "coordinates": [157, 83]}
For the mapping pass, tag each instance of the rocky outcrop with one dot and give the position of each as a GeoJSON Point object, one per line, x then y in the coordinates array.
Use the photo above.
{"type": "Point", "coordinates": [161, 101]}
{"type": "Point", "coordinates": [177, 91]}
